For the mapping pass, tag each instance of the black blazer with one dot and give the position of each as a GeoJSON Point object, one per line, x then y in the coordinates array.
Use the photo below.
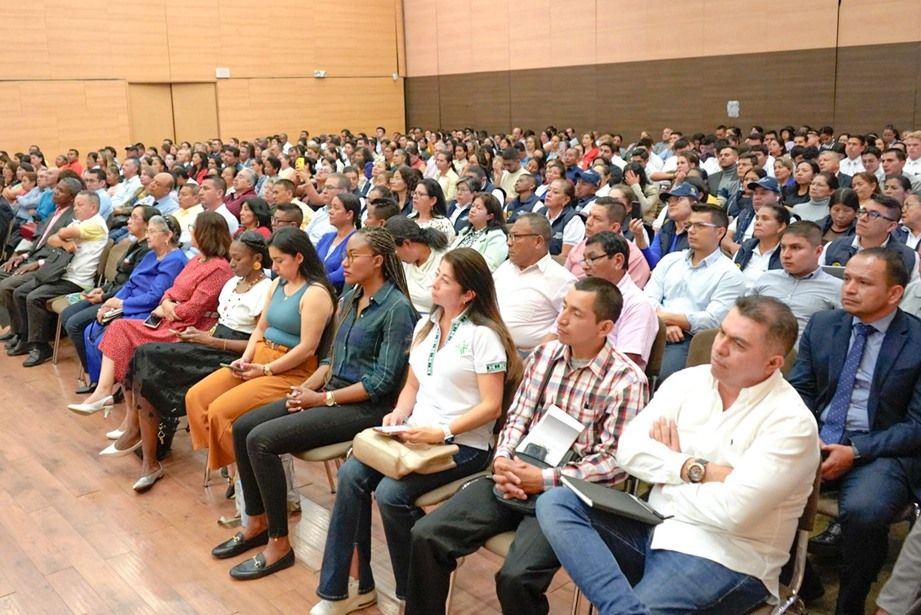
{"type": "Point", "coordinates": [41, 250]}
{"type": "Point", "coordinates": [894, 408]}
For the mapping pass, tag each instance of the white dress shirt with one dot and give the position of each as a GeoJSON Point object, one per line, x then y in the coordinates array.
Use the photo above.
{"type": "Point", "coordinates": [770, 439]}
{"type": "Point", "coordinates": [530, 299]}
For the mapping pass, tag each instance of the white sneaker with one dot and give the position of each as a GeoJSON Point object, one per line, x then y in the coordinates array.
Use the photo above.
{"type": "Point", "coordinates": [355, 602]}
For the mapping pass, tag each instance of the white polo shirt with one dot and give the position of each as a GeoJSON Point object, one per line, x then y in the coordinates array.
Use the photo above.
{"type": "Point", "coordinates": [468, 351]}
{"type": "Point", "coordinates": [94, 235]}
{"type": "Point", "coordinates": [530, 299]}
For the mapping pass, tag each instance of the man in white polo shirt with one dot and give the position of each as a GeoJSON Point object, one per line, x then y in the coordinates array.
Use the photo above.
{"type": "Point", "coordinates": [530, 285]}
{"type": "Point", "coordinates": [211, 195]}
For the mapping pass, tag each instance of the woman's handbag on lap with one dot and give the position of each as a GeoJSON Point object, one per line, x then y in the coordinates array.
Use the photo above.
{"type": "Point", "coordinates": [395, 459]}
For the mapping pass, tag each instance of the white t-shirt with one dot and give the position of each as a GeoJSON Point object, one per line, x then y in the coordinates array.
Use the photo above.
{"type": "Point", "coordinates": [241, 311]}
{"type": "Point", "coordinates": [94, 235]}
{"type": "Point", "coordinates": [419, 280]}
{"type": "Point", "coordinates": [468, 351]}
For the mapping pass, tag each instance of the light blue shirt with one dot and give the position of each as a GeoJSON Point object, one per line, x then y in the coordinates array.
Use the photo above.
{"type": "Point", "coordinates": [807, 295]}
{"type": "Point", "coordinates": [858, 418]}
{"type": "Point", "coordinates": [704, 293]}
{"type": "Point", "coordinates": [319, 225]}
{"type": "Point", "coordinates": [105, 204]}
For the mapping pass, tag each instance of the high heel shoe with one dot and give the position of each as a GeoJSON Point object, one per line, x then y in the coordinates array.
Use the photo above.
{"type": "Point", "coordinates": [112, 451]}
{"type": "Point", "coordinates": [115, 434]}
{"type": "Point", "coordinates": [104, 404]}
{"type": "Point", "coordinates": [146, 482]}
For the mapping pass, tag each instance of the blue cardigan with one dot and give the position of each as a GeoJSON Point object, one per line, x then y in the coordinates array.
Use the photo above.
{"type": "Point", "coordinates": [149, 280]}
{"type": "Point", "coordinates": [332, 259]}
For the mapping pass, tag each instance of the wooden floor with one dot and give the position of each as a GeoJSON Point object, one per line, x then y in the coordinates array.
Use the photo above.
{"type": "Point", "coordinates": [75, 538]}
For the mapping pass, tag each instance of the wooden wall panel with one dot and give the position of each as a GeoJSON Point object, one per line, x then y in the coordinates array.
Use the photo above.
{"type": "Point", "coordinates": [423, 102]}
{"type": "Point", "coordinates": [150, 109]}
{"type": "Point", "coordinates": [354, 39]}
{"type": "Point", "coordinates": [194, 111]}
{"type": "Point", "coordinates": [478, 99]}
{"type": "Point", "coordinates": [453, 24]}
{"type": "Point", "coordinates": [557, 96]}
{"type": "Point", "coordinates": [137, 41]}
{"type": "Point", "coordinates": [489, 39]}
{"type": "Point", "coordinates": [529, 31]}
{"type": "Point", "coordinates": [58, 115]}
{"type": "Point", "coordinates": [873, 22]}
{"type": "Point", "coordinates": [572, 32]}
{"type": "Point", "coordinates": [874, 89]}
{"type": "Point", "coordinates": [317, 105]}
{"type": "Point", "coordinates": [420, 31]}
{"type": "Point", "coordinates": [193, 52]}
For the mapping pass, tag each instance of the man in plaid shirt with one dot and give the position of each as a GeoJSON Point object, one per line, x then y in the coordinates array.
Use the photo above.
{"type": "Point", "coordinates": [592, 382]}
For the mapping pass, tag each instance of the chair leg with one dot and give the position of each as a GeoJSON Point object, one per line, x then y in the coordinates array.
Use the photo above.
{"type": "Point", "coordinates": [207, 477]}
{"type": "Point", "coordinates": [57, 341]}
{"type": "Point", "coordinates": [329, 475]}
{"type": "Point", "coordinates": [576, 600]}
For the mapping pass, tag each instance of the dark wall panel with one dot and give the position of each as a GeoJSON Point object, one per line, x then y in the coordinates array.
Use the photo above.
{"type": "Point", "coordinates": [875, 85]}
{"type": "Point", "coordinates": [421, 100]}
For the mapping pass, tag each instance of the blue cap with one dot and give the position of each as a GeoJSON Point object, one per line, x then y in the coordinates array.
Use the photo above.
{"type": "Point", "coordinates": [683, 189]}
{"type": "Point", "coordinates": [767, 182]}
{"type": "Point", "coordinates": [588, 176]}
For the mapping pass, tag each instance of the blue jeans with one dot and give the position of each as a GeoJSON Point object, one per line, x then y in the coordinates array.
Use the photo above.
{"type": "Point", "coordinates": [350, 522]}
{"type": "Point", "coordinates": [675, 357]}
{"type": "Point", "coordinates": [610, 559]}
{"type": "Point", "coordinates": [76, 318]}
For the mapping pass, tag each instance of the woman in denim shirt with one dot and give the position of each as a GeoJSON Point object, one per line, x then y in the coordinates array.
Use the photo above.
{"type": "Point", "coordinates": [354, 387]}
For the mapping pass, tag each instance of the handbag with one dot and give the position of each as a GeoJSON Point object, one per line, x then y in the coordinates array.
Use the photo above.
{"type": "Point", "coordinates": [395, 459]}
{"type": "Point", "coordinates": [55, 266]}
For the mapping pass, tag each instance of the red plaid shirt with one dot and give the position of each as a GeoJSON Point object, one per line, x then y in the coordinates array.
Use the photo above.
{"type": "Point", "coordinates": [604, 395]}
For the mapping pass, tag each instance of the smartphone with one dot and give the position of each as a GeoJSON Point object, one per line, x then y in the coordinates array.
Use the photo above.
{"type": "Point", "coordinates": [299, 164]}
{"type": "Point", "coordinates": [153, 321]}
{"type": "Point", "coordinates": [228, 366]}
{"type": "Point", "coordinates": [389, 430]}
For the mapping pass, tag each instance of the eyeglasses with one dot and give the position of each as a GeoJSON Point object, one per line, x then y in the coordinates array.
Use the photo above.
{"type": "Point", "coordinates": [873, 215]}
{"type": "Point", "coordinates": [590, 260]}
{"type": "Point", "coordinates": [280, 222]}
{"type": "Point", "coordinates": [702, 225]}
{"type": "Point", "coordinates": [514, 236]}
{"type": "Point", "coordinates": [351, 256]}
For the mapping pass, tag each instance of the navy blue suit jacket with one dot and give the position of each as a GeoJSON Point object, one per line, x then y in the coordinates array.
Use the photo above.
{"type": "Point", "coordinates": [894, 408]}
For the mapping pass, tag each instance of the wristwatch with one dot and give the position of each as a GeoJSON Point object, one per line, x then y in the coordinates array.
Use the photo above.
{"type": "Point", "coordinates": [449, 437]}
{"type": "Point", "coordinates": [330, 400]}
{"type": "Point", "coordinates": [266, 370]}
{"type": "Point", "coordinates": [697, 469]}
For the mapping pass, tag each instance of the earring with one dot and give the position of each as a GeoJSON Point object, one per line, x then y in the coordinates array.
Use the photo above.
{"type": "Point", "coordinates": [257, 266]}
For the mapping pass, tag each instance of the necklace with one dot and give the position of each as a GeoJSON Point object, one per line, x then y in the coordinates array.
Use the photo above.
{"type": "Point", "coordinates": [249, 283]}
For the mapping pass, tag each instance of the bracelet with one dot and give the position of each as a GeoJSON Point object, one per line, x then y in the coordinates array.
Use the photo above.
{"type": "Point", "coordinates": [224, 345]}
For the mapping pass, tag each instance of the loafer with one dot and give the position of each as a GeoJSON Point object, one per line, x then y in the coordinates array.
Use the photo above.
{"type": "Point", "coordinates": [11, 341]}
{"type": "Point", "coordinates": [86, 389]}
{"type": "Point", "coordinates": [146, 482]}
{"type": "Point", "coordinates": [256, 568]}
{"type": "Point", "coordinates": [37, 355]}
{"type": "Point", "coordinates": [8, 335]}
{"type": "Point", "coordinates": [18, 349]}
{"type": "Point", "coordinates": [828, 543]}
{"type": "Point", "coordinates": [239, 545]}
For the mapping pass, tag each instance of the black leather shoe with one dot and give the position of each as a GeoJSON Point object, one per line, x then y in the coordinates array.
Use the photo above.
{"type": "Point", "coordinates": [86, 389]}
{"type": "Point", "coordinates": [237, 545]}
{"type": "Point", "coordinates": [11, 341]}
{"type": "Point", "coordinates": [828, 543]}
{"type": "Point", "coordinates": [18, 349]}
{"type": "Point", "coordinates": [38, 354]}
{"type": "Point", "coordinates": [119, 395]}
{"type": "Point", "coordinates": [7, 336]}
{"type": "Point", "coordinates": [256, 568]}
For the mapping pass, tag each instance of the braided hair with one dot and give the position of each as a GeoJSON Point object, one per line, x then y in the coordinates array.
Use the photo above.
{"type": "Point", "coordinates": [256, 244]}
{"type": "Point", "coordinates": [382, 244]}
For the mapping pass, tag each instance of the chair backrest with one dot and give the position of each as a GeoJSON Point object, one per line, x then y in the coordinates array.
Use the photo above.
{"type": "Point", "coordinates": [109, 265]}
{"type": "Point", "coordinates": [807, 519]}
{"type": "Point", "coordinates": [788, 362]}
{"type": "Point", "coordinates": [699, 348]}
{"type": "Point", "coordinates": [654, 364]}
{"type": "Point", "coordinates": [103, 261]}
{"type": "Point", "coordinates": [508, 395]}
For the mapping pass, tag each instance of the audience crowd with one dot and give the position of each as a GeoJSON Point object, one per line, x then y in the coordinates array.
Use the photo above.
{"type": "Point", "coordinates": [465, 288]}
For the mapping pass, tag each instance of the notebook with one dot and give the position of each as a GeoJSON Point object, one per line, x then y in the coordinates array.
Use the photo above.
{"type": "Point", "coordinates": [613, 501]}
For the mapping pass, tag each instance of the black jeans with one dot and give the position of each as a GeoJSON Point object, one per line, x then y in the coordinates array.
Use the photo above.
{"type": "Point", "coordinates": [459, 527]}
{"type": "Point", "coordinates": [8, 285]}
{"type": "Point", "coordinates": [261, 435]}
{"type": "Point", "coordinates": [76, 318]}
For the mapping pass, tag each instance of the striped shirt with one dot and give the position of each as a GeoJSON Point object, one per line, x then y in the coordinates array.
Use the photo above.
{"type": "Point", "coordinates": [603, 395]}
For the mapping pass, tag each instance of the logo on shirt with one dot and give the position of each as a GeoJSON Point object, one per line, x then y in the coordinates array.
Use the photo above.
{"type": "Point", "coordinates": [492, 368]}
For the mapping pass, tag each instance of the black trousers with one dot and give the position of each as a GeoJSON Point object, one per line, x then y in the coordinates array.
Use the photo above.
{"type": "Point", "coordinates": [32, 317]}
{"type": "Point", "coordinates": [8, 284]}
{"type": "Point", "coordinates": [459, 527]}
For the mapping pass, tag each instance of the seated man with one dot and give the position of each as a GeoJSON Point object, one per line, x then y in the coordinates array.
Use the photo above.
{"type": "Point", "coordinates": [283, 192]}
{"type": "Point", "coordinates": [608, 213]}
{"type": "Point", "coordinates": [530, 285]}
{"type": "Point", "coordinates": [526, 199]}
{"type": "Point", "coordinates": [876, 220]}
{"type": "Point", "coordinates": [287, 214]}
{"type": "Point", "coordinates": [859, 371]}
{"type": "Point", "coordinates": [592, 382]}
{"type": "Point", "coordinates": [694, 288]}
{"type": "Point", "coordinates": [731, 452]}
{"type": "Point", "coordinates": [86, 238]}
{"type": "Point", "coordinates": [673, 236]}
{"type": "Point", "coordinates": [587, 184]}
{"type": "Point", "coordinates": [801, 284]}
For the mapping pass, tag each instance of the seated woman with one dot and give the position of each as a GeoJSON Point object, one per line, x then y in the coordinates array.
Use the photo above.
{"type": "Point", "coordinates": [345, 217]}
{"type": "Point", "coordinates": [429, 208]}
{"type": "Point", "coordinates": [464, 342]}
{"type": "Point", "coordinates": [190, 302]}
{"type": "Point", "coordinates": [486, 232]}
{"type": "Point", "coordinates": [841, 220]}
{"type": "Point", "coordinates": [762, 251]}
{"type": "Point", "coordinates": [421, 250]}
{"type": "Point", "coordinates": [280, 353]}
{"type": "Point", "coordinates": [80, 315]}
{"type": "Point", "coordinates": [353, 389]}
{"type": "Point", "coordinates": [160, 374]}
{"type": "Point", "coordinates": [816, 206]}
{"type": "Point", "coordinates": [255, 216]}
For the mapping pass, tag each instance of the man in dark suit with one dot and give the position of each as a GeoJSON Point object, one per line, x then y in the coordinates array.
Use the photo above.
{"type": "Point", "coordinates": [859, 371]}
{"type": "Point", "coordinates": [21, 268]}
